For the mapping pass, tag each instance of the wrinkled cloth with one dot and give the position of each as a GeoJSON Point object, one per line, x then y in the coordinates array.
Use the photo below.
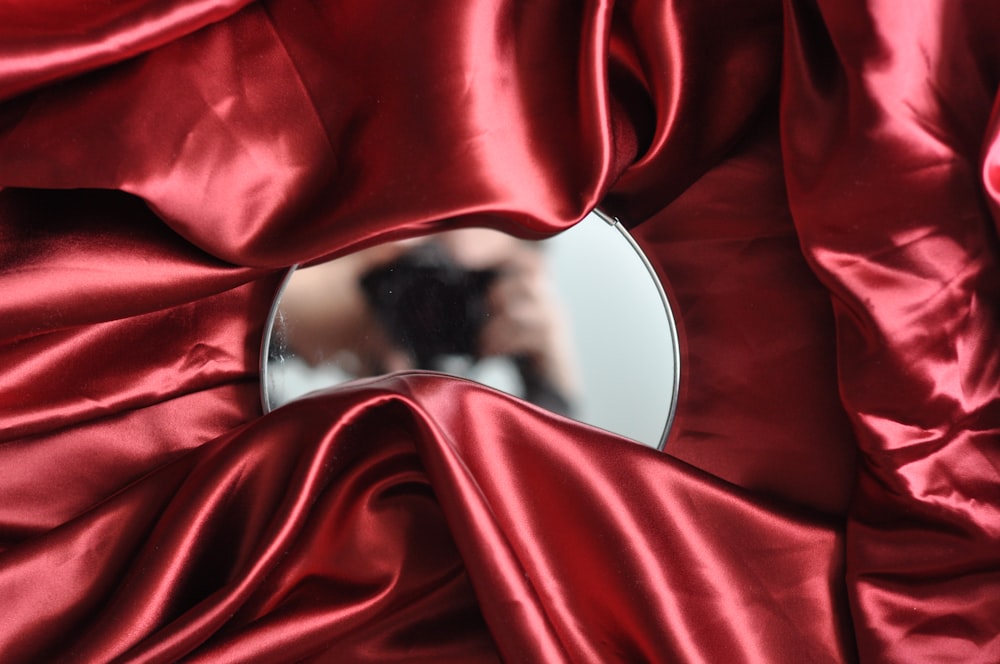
{"type": "Point", "coordinates": [815, 182]}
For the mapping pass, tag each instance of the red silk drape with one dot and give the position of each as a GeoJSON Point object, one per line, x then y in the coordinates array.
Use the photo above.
{"type": "Point", "coordinates": [815, 180]}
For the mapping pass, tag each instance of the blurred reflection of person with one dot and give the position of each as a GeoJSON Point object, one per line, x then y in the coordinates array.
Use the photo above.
{"type": "Point", "coordinates": [333, 317]}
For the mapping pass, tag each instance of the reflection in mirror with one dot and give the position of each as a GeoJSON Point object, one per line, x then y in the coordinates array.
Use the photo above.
{"type": "Point", "coordinates": [577, 324]}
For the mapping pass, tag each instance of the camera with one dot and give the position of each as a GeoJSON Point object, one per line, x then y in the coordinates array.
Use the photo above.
{"type": "Point", "coordinates": [428, 304]}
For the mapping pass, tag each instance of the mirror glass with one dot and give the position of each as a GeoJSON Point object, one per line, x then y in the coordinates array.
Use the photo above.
{"type": "Point", "coordinates": [577, 324]}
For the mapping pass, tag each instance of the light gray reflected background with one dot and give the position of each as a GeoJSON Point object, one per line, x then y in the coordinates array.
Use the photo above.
{"type": "Point", "coordinates": [620, 326]}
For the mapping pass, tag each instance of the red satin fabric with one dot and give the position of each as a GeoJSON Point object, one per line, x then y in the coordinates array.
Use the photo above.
{"type": "Point", "coordinates": [829, 491]}
{"type": "Point", "coordinates": [889, 192]}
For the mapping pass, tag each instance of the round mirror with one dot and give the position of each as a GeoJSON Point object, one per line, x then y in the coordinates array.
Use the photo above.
{"type": "Point", "coordinates": [578, 324]}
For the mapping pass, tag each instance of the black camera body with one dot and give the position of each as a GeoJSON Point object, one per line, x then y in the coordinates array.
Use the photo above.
{"type": "Point", "coordinates": [429, 305]}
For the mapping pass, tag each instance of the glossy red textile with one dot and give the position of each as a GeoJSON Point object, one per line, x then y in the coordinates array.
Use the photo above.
{"type": "Point", "coordinates": [889, 186]}
{"type": "Point", "coordinates": [162, 162]}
